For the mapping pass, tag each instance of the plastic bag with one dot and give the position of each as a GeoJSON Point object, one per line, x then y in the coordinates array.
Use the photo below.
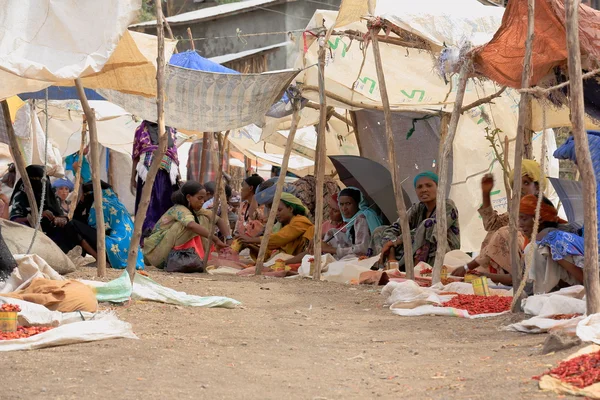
{"type": "Point", "coordinates": [185, 261]}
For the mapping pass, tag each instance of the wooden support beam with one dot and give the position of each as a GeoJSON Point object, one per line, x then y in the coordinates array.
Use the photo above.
{"type": "Point", "coordinates": [90, 117]}
{"type": "Point", "coordinates": [20, 163]}
{"type": "Point", "coordinates": [279, 188]}
{"type": "Point", "coordinates": [517, 268]}
{"type": "Point", "coordinates": [441, 217]}
{"type": "Point", "coordinates": [158, 153]}
{"type": "Point", "coordinates": [75, 196]}
{"type": "Point", "coordinates": [591, 279]}
{"type": "Point", "coordinates": [404, 226]}
{"type": "Point", "coordinates": [191, 37]}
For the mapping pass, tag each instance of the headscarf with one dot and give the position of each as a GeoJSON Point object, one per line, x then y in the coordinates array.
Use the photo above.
{"type": "Point", "coordinates": [292, 201]}
{"type": "Point", "coordinates": [531, 169]}
{"type": "Point", "coordinates": [373, 219]}
{"type": "Point", "coordinates": [548, 213]}
{"type": "Point", "coordinates": [427, 174]}
{"type": "Point", "coordinates": [20, 202]}
{"type": "Point", "coordinates": [63, 183]}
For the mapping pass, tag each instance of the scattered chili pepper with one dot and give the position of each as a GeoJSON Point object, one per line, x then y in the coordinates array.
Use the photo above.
{"type": "Point", "coordinates": [565, 316]}
{"type": "Point", "coordinates": [311, 260]}
{"type": "Point", "coordinates": [426, 271]}
{"type": "Point", "coordinates": [10, 308]}
{"type": "Point", "coordinates": [24, 332]}
{"type": "Point", "coordinates": [581, 371]}
{"type": "Point", "coordinates": [475, 304]}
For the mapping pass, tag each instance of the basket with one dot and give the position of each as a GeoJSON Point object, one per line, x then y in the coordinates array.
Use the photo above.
{"type": "Point", "coordinates": [8, 321]}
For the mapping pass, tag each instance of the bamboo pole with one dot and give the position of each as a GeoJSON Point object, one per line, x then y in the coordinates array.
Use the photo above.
{"type": "Point", "coordinates": [321, 152]}
{"type": "Point", "coordinates": [20, 163]}
{"type": "Point", "coordinates": [264, 243]}
{"type": "Point", "coordinates": [90, 117]}
{"type": "Point", "coordinates": [158, 153]}
{"type": "Point", "coordinates": [441, 217]}
{"type": "Point", "coordinates": [513, 224]}
{"type": "Point", "coordinates": [75, 196]}
{"type": "Point", "coordinates": [584, 161]}
{"type": "Point", "coordinates": [406, 239]}
{"type": "Point", "coordinates": [217, 197]}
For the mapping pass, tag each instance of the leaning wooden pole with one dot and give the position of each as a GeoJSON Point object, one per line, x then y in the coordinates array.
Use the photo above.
{"type": "Point", "coordinates": [76, 189]}
{"type": "Point", "coordinates": [591, 279]}
{"type": "Point", "coordinates": [217, 199]}
{"type": "Point", "coordinates": [159, 153]}
{"type": "Point", "coordinates": [264, 243]}
{"type": "Point", "coordinates": [320, 160]}
{"type": "Point", "coordinates": [20, 163]}
{"type": "Point", "coordinates": [391, 148]}
{"type": "Point", "coordinates": [441, 217]}
{"type": "Point", "coordinates": [90, 117]}
{"type": "Point", "coordinates": [513, 224]}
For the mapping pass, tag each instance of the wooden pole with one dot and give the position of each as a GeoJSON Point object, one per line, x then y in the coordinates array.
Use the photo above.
{"type": "Point", "coordinates": [321, 153]}
{"type": "Point", "coordinates": [441, 217]}
{"type": "Point", "coordinates": [217, 200]}
{"type": "Point", "coordinates": [20, 163]}
{"type": "Point", "coordinates": [528, 139]}
{"type": "Point", "coordinates": [356, 134]}
{"type": "Point", "coordinates": [591, 279]}
{"type": "Point", "coordinates": [406, 239]}
{"type": "Point", "coordinates": [513, 224]}
{"type": "Point", "coordinates": [90, 117]}
{"type": "Point", "coordinates": [191, 37]}
{"type": "Point", "coordinates": [264, 243]}
{"type": "Point", "coordinates": [158, 153]}
{"type": "Point", "coordinates": [75, 196]}
{"type": "Point", "coordinates": [228, 159]}
{"type": "Point", "coordinates": [204, 157]}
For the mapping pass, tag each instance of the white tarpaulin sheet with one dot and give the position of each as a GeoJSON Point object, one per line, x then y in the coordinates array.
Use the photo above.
{"type": "Point", "coordinates": [207, 101]}
{"type": "Point", "coordinates": [43, 42]}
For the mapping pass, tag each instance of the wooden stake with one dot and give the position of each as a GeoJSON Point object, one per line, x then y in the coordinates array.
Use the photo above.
{"type": "Point", "coordinates": [356, 134]}
{"type": "Point", "coordinates": [20, 163]}
{"type": "Point", "coordinates": [204, 157]}
{"type": "Point", "coordinates": [513, 224]}
{"type": "Point", "coordinates": [528, 143]}
{"type": "Point", "coordinates": [264, 243]}
{"type": "Point", "coordinates": [75, 196]}
{"type": "Point", "coordinates": [217, 199]}
{"type": "Point", "coordinates": [158, 153]}
{"type": "Point", "coordinates": [189, 33]}
{"type": "Point", "coordinates": [90, 117]}
{"type": "Point", "coordinates": [505, 173]}
{"type": "Point", "coordinates": [406, 239]}
{"type": "Point", "coordinates": [591, 279]}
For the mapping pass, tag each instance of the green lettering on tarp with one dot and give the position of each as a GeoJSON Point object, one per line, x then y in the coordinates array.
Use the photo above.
{"type": "Point", "coordinates": [365, 80]}
{"type": "Point", "coordinates": [334, 45]}
{"type": "Point", "coordinates": [413, 93]}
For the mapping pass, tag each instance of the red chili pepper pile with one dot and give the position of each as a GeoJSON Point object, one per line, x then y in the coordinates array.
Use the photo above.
{"type": "Point", "coordinates": [474, 304]}
{"type": "Point", "coordinates": [565, 316]}
{"type": "Point", "coordinates": [10, 308]}
{"type": "Point", "coordinates": [580, 372]}
{"type": "Point", "coordinates": [426, 271]}
{"type": "Point", "coordinates": [24, 332]}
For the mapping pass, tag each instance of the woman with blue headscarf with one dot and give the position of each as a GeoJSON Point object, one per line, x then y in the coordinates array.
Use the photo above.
{"type": "Point", "coordinates": [422, 220]}
{"type": "Point", "coordinates": [361, 221]}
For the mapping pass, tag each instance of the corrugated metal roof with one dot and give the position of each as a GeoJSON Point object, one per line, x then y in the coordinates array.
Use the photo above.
{"type": "Point", "coordinates": [236, 56]}
{"type": "Point", "coordinates": [213, 12]}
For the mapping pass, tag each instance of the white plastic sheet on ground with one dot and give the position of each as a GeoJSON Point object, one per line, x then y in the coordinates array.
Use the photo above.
{"type": "Point", "coordinates": [408, 299]}
{"type": "Point", "coordinates": [340, 271]}
{"type": "Point", "coordinates": [144, 288]}
{"type": "Point", "coordinates": [74, 327]}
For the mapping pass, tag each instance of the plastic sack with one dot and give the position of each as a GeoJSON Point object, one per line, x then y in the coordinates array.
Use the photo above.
{"type": "Point", "coordinates": [588, 330]}
{"type": "Point", "coordinates": [37, 315]}
{"type": "Point", "coordinates": [544, 325]}
{"type": "Point", "coordinates": [184, 261]}
{"type": "Point", "coordinates": [555, 304]}
{"type": "Point", "coordinates": [116, 291]}
{"type": "Point", "coordinates": [304, 269]}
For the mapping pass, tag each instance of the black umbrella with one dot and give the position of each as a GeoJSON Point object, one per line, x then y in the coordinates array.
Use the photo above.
{"type": "Point", "coordinates": [373, 179]}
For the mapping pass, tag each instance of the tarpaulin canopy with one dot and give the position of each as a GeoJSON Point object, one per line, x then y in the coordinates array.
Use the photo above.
{"type": "Point", "coordinates": [47, 42]}
{"type": "Point", "coordinates": [502, 58]}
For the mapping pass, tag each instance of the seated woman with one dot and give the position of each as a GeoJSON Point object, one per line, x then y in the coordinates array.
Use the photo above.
{"type": "Point", "coordinates": [53, 218]}
{"type": "Point", "coordinates": [530, 184]}
{"type": "Point", "coordinates": [62, 188]}
{"type": "Point", "coordinates": [361, 222]}
{"type": "Point", "coordinates": [387, 240]}
{"type": "Point", "coordinates": [118, 226]}
{"type": "Point", "coordinates": [292, 236]}
{"type": "Point", "coordinates": [251, 218]}
{"type": "Point", "coordinates": [494, 261]}
{"type": "Point", "coordinates": [335, 220]}
{"type": "Point", "coordinates": [183, 226]}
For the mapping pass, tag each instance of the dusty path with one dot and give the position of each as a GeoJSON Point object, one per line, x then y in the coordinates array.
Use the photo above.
{"type": "Point", "coordinates": [294, 339]}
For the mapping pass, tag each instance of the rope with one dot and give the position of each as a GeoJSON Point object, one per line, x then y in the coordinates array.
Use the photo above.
{"type": "Point", "coordinates": [44, 177]}
{"type": "Point", "coordinates": [538, 91]}
{"type": "Point", "coordinates": [536, 222]}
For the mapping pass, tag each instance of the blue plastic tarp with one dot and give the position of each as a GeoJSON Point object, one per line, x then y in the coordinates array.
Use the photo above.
{"type": "Point", "coordinates": [60, 93]}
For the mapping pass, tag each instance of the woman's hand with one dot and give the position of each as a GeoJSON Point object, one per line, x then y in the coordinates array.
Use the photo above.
{"type": "Point", "coordinates": [60, 221]}
{"type": "Point", "coordinates": [48, 215]}
{"type": "Point", "coordinates": [385, 250]}
{"type": "Point", "coordinates": [487, 183]}
{"type": "Point", "coordinates": [220, 245]}
{"type": "Point", "coordinates": [327, 248]}
{"type": "Point", "coordinates": [460, 271]}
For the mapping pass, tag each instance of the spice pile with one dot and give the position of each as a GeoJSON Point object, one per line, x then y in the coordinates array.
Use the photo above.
{"type": "Point", "coordinates": [24, 332]}
{"type": "Point", "coordinates": [10, 308]}
{"type": "Point", "coordinates": [475, 304]}
{"type": "Point", "coordinates": [426, 271]}
{"type": "Point", "coordinates": [581, 371]}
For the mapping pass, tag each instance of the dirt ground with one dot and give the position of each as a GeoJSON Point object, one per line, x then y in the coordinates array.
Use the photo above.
{"type": "Point", "coordinates": [293, 339]}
